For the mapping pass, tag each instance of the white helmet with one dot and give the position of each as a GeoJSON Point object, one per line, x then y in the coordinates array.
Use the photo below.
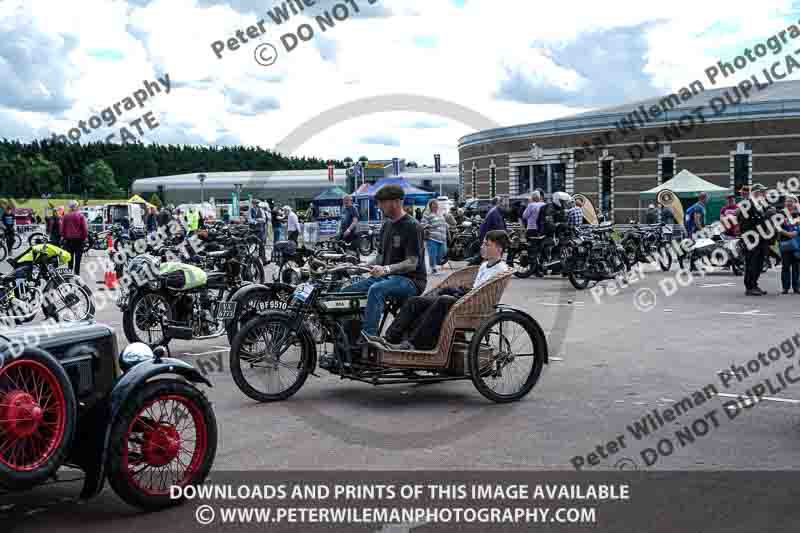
{"type": "Point", "coordinates": [561, 199]}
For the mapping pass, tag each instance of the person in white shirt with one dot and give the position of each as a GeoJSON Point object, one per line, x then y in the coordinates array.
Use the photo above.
{"type": "Point", "coordinates": [420, 319]}
{"type": "Point", "coordinates": [292, 224]}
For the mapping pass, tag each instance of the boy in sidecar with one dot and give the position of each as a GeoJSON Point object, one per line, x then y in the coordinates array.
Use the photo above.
{"type": "Point", "coordinates": [420, 319]}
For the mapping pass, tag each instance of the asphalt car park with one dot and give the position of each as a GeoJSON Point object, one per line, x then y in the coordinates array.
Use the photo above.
{"type": "Point", "coordinates": [619, 363]}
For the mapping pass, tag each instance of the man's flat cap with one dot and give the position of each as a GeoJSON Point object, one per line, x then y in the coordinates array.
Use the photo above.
{"type": "Point", "coordinates": [390, 192]}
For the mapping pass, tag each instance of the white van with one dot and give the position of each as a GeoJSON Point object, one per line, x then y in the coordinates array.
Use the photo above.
{"type": "Point", "coordinates": [115, 213]}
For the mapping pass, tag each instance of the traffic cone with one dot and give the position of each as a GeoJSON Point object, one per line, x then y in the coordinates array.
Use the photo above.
{"type": "Point", "coordinates": [111, 280]}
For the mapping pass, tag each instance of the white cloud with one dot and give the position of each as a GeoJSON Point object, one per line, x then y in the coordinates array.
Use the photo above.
{"type": "Point", "coordinates": [476, 47]}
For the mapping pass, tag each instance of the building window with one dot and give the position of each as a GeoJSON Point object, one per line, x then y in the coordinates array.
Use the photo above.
{"type": "Point", "coordinates": [558, 175]}
{"type": "Point", "coordinates": [606, 181]}
{"type": "Point", "coordinates": [460, 183]}
{"type": "Point", "coordinates": [474, 182]}
{"type": "Point", "coordinates": [492, 182]}
{"type": "Point", "coordinates": [524, 180]}
{"type": "Point", "coordinates": [540, 178]}
{"type": "Point", "coordinates": [741, 172]}
{"type": "Point", "coordinates": [667, 169]}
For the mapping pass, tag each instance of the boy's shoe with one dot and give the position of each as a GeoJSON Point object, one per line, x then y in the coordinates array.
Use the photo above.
{"type": "Point", "coordinates": [373, 339]}
{"type": "Point", "coordinates": [402, 346]}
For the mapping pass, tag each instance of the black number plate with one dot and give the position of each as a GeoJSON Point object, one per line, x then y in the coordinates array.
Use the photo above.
{"type": "Point", "coordinates": [227, 310]}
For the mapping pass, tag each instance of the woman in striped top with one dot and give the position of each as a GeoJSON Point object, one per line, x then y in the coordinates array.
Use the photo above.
{"type": "Point", "coordinates": [435, 235]}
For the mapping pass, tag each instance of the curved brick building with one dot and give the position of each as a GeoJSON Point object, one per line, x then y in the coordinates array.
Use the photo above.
{"type": "Point", "coordinates": [614, 154]}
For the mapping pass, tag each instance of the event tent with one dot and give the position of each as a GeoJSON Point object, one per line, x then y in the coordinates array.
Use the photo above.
{"type": "Point", "coordinates": [330, 197]}
{"type": "Point", "coordinates": [366, 193]}
{"type": "Point", "coordinates": [687, 187]}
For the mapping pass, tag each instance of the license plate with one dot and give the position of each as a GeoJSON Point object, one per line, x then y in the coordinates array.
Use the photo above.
{"type": "Point", "coordinates": [63, 271]}
{"type": "Point", "coordinates": [226, 311]}
{"type": "Point", "coordinates": [271, 305]}
{"type": "Point", "coordinates": [302, 292]}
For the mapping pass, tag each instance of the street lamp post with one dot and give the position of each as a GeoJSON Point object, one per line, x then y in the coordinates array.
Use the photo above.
{"type": "Point", "coordinates": [202, 178]}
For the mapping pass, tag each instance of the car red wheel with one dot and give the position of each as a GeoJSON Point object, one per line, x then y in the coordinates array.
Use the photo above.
{"type": "Point", "coordinates": [37, 412]}
{"type": "Point", "coordinates": [166, 435]}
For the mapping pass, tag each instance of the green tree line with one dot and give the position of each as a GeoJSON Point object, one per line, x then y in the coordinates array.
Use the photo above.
{"type": "Point", "coordinates": [28, 170]}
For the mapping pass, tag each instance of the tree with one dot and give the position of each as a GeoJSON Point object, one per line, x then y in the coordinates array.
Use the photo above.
{"type": "Point", "coordinates": [155, 200]}
{"type": "Point", "coordinates": [99, 179]}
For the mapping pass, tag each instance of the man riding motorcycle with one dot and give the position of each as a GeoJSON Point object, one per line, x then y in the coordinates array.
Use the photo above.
{"type": "Point", "coordinates": [399, 266]}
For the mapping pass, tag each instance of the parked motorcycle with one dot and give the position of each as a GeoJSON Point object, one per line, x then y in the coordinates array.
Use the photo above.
{"type": "Point", "coordinates": [593, 256]}
{"type": "Point", "coordinates": [180, 301]}
{"type": "Point", "coordinates": [41, 280]}
{"type": "Point", "coordinates": [645, 244]}
{"type": "Point", "coordinates": [463, 243]}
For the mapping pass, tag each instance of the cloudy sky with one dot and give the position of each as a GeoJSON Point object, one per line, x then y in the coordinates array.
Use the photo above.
{"type": "Point", "coordinates": [511, 61]}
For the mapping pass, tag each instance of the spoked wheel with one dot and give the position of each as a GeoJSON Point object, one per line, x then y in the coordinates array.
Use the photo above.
{"type": "Point", "coordinates": [257, 302]}
{"type": "Point", "coordinates": [165, 435]}
{"type": "Point", "coordinates": [141, 321]}
{"type": "Point", "coordinates": [37, 238]}
{"type": "Point", "coordinates": [580, 281]}
{"type": "Point", "coordinates": [253, 270]}
{"type": "Point", "coordinates": [506, 357]}
{"type": "Point", "coordinates": [664, 259]}
{"type": "Point", "coordinates": [269, 361]}
{"type": "Point", "coordinates": [37, 419]}
{"type": "Point", "coordinates": [69, 302]}
{"type": "Point", "coordinates": [631, 254]}
{"type": "Point", "coordinates": [522, 268]}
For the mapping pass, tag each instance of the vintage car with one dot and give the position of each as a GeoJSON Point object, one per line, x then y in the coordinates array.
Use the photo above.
{"type": "Point", "coordinates": [69, 398]}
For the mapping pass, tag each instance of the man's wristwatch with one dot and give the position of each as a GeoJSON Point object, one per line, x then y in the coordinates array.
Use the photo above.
{"type": "Point", "coordinates": [387, 270]}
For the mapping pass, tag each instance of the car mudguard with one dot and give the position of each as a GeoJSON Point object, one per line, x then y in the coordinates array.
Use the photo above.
{"type": "Point", "coordinates": [516, 310]}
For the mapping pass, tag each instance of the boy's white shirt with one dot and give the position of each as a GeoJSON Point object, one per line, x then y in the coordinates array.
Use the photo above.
{"type": "Point", "coordinates": [486, 273]}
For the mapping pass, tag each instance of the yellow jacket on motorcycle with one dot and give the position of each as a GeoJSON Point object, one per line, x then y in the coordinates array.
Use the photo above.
{"type": "Point", "coordinates": [50, 249]}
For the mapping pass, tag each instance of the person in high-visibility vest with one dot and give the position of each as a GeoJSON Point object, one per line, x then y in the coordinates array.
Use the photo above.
{"type": "Point", "coordinates": [194, 220]}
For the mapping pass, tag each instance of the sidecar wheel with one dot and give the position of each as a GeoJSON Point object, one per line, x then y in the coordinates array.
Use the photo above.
{"type": "Point", "coordinates": [508, 345]}
{"type": "Point", "coordinates": [37, 419]}
{"type": "Point", "coordinates": [259, 361]}
{"type": "Point", "coordinates": [166, 434]}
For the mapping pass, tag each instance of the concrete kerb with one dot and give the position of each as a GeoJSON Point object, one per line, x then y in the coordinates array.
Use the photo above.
{"type": "Point", "coordinates": [345, 430]}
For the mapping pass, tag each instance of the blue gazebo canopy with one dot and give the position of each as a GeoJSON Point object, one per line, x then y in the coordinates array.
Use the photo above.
{"type": "Point", "coordinates": [412, 193]}
{"type": "Point", "coordinates": [332, 196]}
{"type": "Point", "coordinates": [366, 194]}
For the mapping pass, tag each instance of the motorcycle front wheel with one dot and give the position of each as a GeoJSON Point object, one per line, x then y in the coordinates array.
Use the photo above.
{"type": "Point", "coordinates": [68, 302]}
{"type": "Point", "coordinates": [141, 321]}
{"type": "Point", "coordinates": [269, 360]}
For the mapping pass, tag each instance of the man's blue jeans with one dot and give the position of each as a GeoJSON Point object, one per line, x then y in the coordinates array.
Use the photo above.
{"type": "Point", "coordinates": [378, 289]}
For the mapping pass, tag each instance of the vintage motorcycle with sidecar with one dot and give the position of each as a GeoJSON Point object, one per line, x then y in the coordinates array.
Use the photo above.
{"type": "Point", "coordinates": [501, 349]}
{"type": "Point", "coordinates": [136, 419]}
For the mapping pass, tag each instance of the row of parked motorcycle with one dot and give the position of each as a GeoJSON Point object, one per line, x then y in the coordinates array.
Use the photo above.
{"type": "Point", "coordinates": [180, 292]}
